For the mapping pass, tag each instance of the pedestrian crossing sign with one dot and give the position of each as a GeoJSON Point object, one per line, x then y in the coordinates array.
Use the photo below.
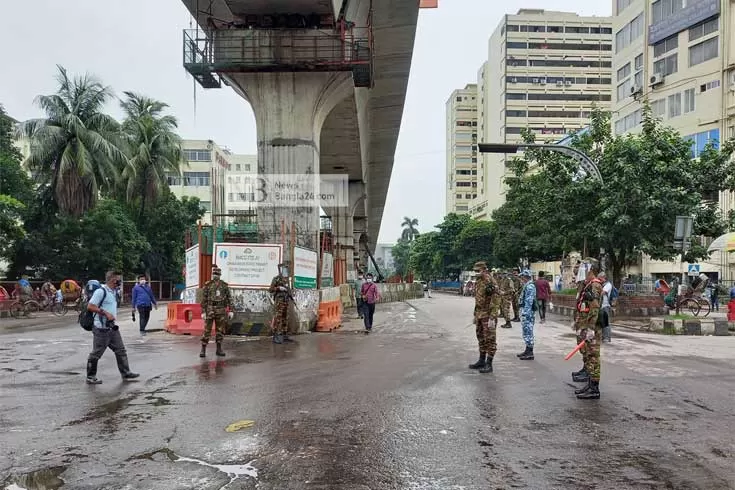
{"type": "Point", "coordinates": [693, 269]}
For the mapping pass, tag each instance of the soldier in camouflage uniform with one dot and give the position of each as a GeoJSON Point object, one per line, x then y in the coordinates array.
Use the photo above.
{"type": "Point", "coordinates": [517, 286]}
{"type": "Point", "coordinates": [487, 309]}
{"type": "Point", "coordinates": [281, 294]}
{"type": "Point", "coordinates": [506, 299]}
{"type": "Point", "coordinates": [216, 301]}
{"type": "Point", "coordinates": [589, 328]}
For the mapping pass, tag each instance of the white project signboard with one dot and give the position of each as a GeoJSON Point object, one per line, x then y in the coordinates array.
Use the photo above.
{"type": "Point", "coordinates": [304, 268]}
{"type": "Point", "coordinates": [192, 267]}
{"type": "Point", "coordinates": [248, 265]}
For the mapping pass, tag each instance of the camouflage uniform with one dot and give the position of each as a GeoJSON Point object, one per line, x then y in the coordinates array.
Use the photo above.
{"type": "Point", "coordinates": [506, 299]}
{"type": "Point", "coordinates": [487, 310]}
{"type": "Point", "coordinates": [586, 319]}
{"type": "Point", "coordinates": [517, 286]}
{"type": "Point", "coordinates": [280, 298]}
{"type": "Point", "coordinates": [216, 298]}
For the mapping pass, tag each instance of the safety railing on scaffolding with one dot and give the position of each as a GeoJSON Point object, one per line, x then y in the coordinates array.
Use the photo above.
{"type": "Point", "coordinates": [209, 54]}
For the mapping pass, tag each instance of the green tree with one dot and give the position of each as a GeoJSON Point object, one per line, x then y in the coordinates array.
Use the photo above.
{"type": "Point", "coordinates": [410, 228]}
{"type": "Point", "coordinates": [648, 179]}
{"type": "Point", "coordinates": [15, 187]}
{"type": "Point", "coordinates": [104, 239]}
{"type": "Point", "coordinates": [154, 149]}
{"type": "Point", "coordinates": [401, 253]}
{"type": "Point", "coordinates": [164, 227]}
{"type": "Point", "coordinates": [447, 258]}
{"type": "Point", "coordinates": [76, 148]}
{"type": "Point", "coordinates": [474, 244]}
{"type": "Point", "coordinates": [423, 255]}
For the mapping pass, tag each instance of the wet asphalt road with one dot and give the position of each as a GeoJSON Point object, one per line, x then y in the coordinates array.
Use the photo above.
{"type": "Point", "coordinates": [393, 410]}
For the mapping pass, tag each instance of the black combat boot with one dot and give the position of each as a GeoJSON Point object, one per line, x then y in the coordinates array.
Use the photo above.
{"type": "Point", "coordinates": [523, 353]}
{"type": "Point", "coordinates": [203, 353]}
{"type": "Point", "coordinates": [581, 371]}
{"type": "Point", "coordinates": [583, 390]}
{"type": "Point", "coordinates": [124, 368]}
{"type": "Point", "coordinates": [527, 356]}
{"type": "Point", "coordinates": [488, 368]}
{"type": "Point", "coordinates": [582, 377]}
{"type": "Point", "coordinates": [92, 372]}
{"type": "Point", "coordinates": [287, 339]}
{"type": "Point", "coordinates": [516, 319]}
{"type": "Point", "coordinates": [480, 362]}
{"type": "Point", "coordinates": [506, 325]}
{"type": "Point", "coordinates": [220, 352]}
{"type": "Point", "coordinates": [593, 393]}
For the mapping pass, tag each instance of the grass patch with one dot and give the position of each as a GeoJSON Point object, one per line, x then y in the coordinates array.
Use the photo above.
{"type": "Point", "coordinates": [568, 292]}
{"type": "Point", "coordinates": [680, 316]}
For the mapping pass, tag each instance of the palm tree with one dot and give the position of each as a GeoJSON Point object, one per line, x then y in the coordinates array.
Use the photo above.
{"type": "Point", "coordinates": [410, 228]}
{"type": "Point", "coordinates": [76, 148]}
{"type": "Point", "coordinates": [153, 146]}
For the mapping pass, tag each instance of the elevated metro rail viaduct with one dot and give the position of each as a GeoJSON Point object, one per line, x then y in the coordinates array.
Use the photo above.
{"type": "Point", "coordinates": [327, 82]}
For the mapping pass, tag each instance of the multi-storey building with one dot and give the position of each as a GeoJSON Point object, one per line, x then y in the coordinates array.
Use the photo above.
{"type": "Point", "coordinates": [462, 180]}
{"type": "Point", "coordinates": [204, 176]}
{"type": "Point", "coordinates": [679, 56]}
{"type": "Point", "coordinates": [241, 184]}
{"type": "Point", "coordinates": [546, 71]}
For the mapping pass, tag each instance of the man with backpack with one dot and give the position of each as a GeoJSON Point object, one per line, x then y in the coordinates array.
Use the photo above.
{"type": "Point", "coordinates": [103, 307]}
{"type": "Point", "coordinates": [527, 311]}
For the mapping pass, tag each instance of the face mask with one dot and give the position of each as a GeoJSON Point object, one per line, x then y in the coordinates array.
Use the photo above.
{"type": "Point", "coordinates": [216, 277]}
{"type": "Point", "coordinates": [284, 273]}
{"type": "Point", "coordinates": [142, 282]}
{"type": "Point", "coordinates": [370, 279]}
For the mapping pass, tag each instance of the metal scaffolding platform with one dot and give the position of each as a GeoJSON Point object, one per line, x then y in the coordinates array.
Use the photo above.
{"type": "Point", "coordinates": [208, 55]}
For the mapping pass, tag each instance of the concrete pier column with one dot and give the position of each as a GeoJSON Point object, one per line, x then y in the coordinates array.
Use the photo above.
{"type": "Point", "coordinates": [290, 109]}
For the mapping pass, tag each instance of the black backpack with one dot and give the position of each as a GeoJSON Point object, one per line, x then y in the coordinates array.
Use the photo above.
{"type": "Point", "coordinates": [86, 317]}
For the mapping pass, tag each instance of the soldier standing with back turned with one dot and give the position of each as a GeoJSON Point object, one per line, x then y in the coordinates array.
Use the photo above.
{"type": "Point", "coordinates": [281, 293]}
{"type": "Point", "coordinates": [216, 299]}
{"type": "Point", "coordinates": [589, 329]}
{"type": "Point", "coordinates": [487, 309]}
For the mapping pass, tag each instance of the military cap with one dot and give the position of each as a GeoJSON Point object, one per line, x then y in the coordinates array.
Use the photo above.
{"type": "Point", "coordinates": [479, 266]}
{"type": "Point", "coordinates": [526, 273]}
{"type": "Point", "coordinates": [216, 270]}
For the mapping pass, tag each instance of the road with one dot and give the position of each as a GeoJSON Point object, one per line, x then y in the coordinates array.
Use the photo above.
{"type": "Point", "coordinates": [397, 409]}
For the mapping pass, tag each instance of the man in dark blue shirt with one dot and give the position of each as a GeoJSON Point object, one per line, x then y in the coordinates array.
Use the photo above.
{"type": "Point", "coordinates": [143, 301]}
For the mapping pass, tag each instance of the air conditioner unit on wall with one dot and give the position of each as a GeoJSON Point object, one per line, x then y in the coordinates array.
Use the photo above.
{"type": "Point", "coordinates": [636, 90]}
{"type": "Point", "coordinates": [657, 79]}
{"type": "Point", "coordinates": [559, 83]}
{"type": "Point", "coordinates": [568, 83]}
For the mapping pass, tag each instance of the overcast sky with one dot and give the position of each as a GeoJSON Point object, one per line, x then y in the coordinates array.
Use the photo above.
{"type": "Point", "coordinates": [137, 45]}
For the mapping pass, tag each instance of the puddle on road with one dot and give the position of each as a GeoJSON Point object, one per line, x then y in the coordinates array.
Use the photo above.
{"type": "Point", "coordinates": [43, 479]}
{"type": "Point", "coordinates": [233, 471]}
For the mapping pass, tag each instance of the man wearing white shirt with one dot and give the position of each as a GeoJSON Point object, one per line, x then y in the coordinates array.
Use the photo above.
{"type": "Point", "coordinates": [606, 307]}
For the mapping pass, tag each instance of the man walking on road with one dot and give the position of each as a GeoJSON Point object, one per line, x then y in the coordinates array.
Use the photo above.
{"type": "Point", "coordinates": [358, 294]}
{"type": "Point", "coordinates": [143, 301]}
{"type": "Point", "coordinates": [527, 308]}
{"type": "Point", "coordinates": [216, 303]}
{"type": "Point", "coordinates": [589, 329]}
{"type": "Point", "coordinates": [487, 308]}
{"type": "Point", "coordinates": [543, 294]}
{"type": "Point", "coordinates": [370, 297]}
{"type": "Point", "coordinates": [105, 331]}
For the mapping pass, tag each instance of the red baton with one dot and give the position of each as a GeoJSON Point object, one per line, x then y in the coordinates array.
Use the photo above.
{"type": "Point", "coordinates": [576, 349]}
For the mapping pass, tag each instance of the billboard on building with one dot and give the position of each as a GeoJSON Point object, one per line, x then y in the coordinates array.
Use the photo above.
{"type": "Point", "coordinates": [191, 271]}
{"type": "Point", "coordinates": [304, 268]}
{"type": "Point", "coordinates": [693, 13]}
{"type": "Point", "coordinates": [327, 280]}
{"type": "Point", "coordinates": [248, 265]}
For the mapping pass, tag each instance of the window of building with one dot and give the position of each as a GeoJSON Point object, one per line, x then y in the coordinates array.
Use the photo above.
{"type": "Point", "coordinates": [731, 132]}
{"type": "Point", "coordinates": [709, 86]}
{"type": "Point", "coordinates": [463, 148]}
{"type": "Point", "coordinates": [638, 79]}
{"type": "Point", "coordinates": [663, 9]}
{"type": "Point", "coordinates": [658, 107]}
{"type": "Point", "coordinates": [689, 103]}
{"type": "Point", "coordinates": [207, 205]}
{"type": "Point", "coordinates": [624, 89]}
{"type": "Point", "coordinates": [516, 45]}
{"type": "Point", "coordinates": [468, 196]}
{"type": "Point", "coordinates": [622, 5]}
{"type": "Point", "coordinates": [511, 113]}
{"type": "Point", "coordinates": [464, 123]}
{"type": "Point", "coordinates": [513, 96]}
{"type": "Point", "coordinates": [459, 196]}
{"type": "Point", "coordinates": [571, 97]}
{"type": "Point", "coordinates": [198, 155]}
{"type": "Point", "coordinates": [556, 29]}
{"type": "Point", "coordinates": [577, 30]}
{"type": "Point", "coordinates": [173, 180]}
{"type": "Point", "coordinates": [704, 29]}
{"type": "Point", "coordinates": [628, 122]}
{"type": "Point", "coordinates": [668, 65]}
{"type": "Point", "coordinates": [571, 46]}
{"type": "Point", "coordinates": [512, 28]}
{"type": "Point", "coordinates": [699, 141]}
{"type": "Point", "coordinates": [563, 63]}
{"type": "Point", "coordinates": [196, 179]}
{"type": "Point", "coordinates": [464, 184]}
{"type": "Point", "coordinates": [674, 105]}
{"type": "Point", "coordinates": [639, 62]}
{"type": "Point", "coordinates": [629, 33]}
{"type": "Point", "coordinates": [247, 167]}
{"type": "Point", "coordinates": [237, 167]}
{"type": "Point", "coordinates": [668, 44]}
{"type": "Point", "coordinates": [624, 72]}
{"type": "Point", "coordinates": [704, 51]}
{"type": "Point", "coordinates": [565, 114]}
{"type": "Point", "coordinates": [230, 197]}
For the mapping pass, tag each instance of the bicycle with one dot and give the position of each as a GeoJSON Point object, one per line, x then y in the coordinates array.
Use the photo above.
{"type": "Point", "coordinates": [24, 308]}
{"type": "Point", "coordinates": [695, 305]}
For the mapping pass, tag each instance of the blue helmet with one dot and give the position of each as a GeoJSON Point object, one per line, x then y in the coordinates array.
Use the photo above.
{"type": "Point", "coordinates": [526, 273]}
{"type": "Point", "coordinates": [93, 285]}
